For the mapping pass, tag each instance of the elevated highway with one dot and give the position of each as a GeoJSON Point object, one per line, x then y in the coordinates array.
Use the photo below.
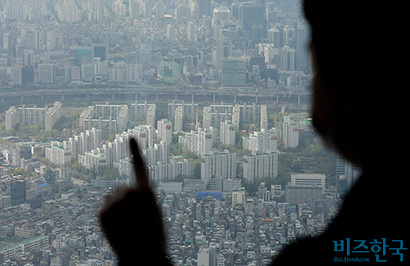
{"type": "Point", "coordinates": [69, 95]}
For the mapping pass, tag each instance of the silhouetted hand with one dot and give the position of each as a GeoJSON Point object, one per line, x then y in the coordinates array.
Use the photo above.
{"type": "Point", "coordinates": [132, 221]}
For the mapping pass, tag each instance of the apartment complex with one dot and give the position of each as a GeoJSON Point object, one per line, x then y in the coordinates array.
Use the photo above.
{"type": "Point", "coordinates": [25, 115]}
{"type": "Point", "coordinates": [110, 119]}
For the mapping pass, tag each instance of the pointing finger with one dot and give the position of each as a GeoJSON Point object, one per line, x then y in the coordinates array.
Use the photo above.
{"type": "Point", "coordinates": [139, 166]}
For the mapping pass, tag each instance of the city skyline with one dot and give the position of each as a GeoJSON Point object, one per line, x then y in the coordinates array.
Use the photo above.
{"type": "Point", "coordinates": [217, 95]}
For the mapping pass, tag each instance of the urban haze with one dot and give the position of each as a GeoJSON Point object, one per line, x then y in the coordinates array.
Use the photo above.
{"type": "Point", "coordinates": [217, 94]}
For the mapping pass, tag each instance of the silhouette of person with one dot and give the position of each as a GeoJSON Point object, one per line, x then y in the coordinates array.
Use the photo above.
{"type": "Point", "coordinates": [355, 109]}
{"type": "Point", "coordinates": [132, 222]}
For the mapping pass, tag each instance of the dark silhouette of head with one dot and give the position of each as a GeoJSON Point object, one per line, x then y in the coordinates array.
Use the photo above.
{"type": "Point", "coordinates": [356, 76]}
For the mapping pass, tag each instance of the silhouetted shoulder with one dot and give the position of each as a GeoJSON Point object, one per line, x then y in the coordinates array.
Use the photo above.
{"type": "Point", "coordinates": [368, 222]}
{"type": "Point", "coordinates": [306, 251]}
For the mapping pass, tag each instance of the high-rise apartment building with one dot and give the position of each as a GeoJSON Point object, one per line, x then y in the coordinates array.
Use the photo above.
{"type": "Point", "coordinates": [178, 118]}
{"type": "Point", "coordinates": [261, 141]}
{"type": "Point", "coordinates": [58, 154]}
{"type": "Point", "coordinates": [46, 116]}
{"type": "Point", "coordinates": [199, 142]}
{"type": "Point", "coordinates": [346, 176]}
{"type": "Point", "coordinates": [110, 119]}
{"type": "Point", "coordinates": [227, 133]}
{"type": "Point", "coordinates": [260, 165]}
{"type": "Point", "coordinates": [164, 128]}
{"type": "Point", "coordinates": [290, 132]}
{"type": "Point", "coordinates": [219, 164]}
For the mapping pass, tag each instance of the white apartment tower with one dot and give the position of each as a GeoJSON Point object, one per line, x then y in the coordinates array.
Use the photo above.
{"type": "Point", "coordinates": [165, 130]}
{"type": "Point", "coordinates": [222, 164]}
{"type": "Point", "coordinates": [290, 133]}
{"type": "Point", "coordinates": [260, 165]}
{"type": "Point", "coordinates": [261, 141]}
{"type": "Point", "coordinates": [227, 133]}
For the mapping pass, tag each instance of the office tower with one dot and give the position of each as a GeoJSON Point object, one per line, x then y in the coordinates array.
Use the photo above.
{"type": "Point", "coordinates": [159, 10]}
{"type": "Point", "coordinates": [146, 9]}
{"type": "Point", "coordinates": [168, 71]}
{"type": "Point", "coordinates": [301, 50]}
{"type": "Point", "coordinates": [133, 73]}
{"type": "Point", "coordinates": [16, 75]}
{"type": "Point", "coordinates": [28, 57]}
{"type": "Point", "coordinates": [274, 37]}
{"type": "Point", "coordinates": [253, 20]}
{"type": "Point", "coordinates": [134, 9]}
{"type": "Point", "coordinates": [6, 41]}
{"type": "Point", "coordinates": [61, 75]}
{"type": "Point", "coordinates": [287, 58]}
{"type": "Point", "coordinates": [88, 72]}
{"type": "Point", "coordinates": [271, 13]}
{"type": "Point", "coordinates": [171, 32]}
{"type": "Point", "coordinates": [101, 70]}
{"type": "Point", "coordinates": [75, 74]}
{"type": "Point", "coordinates": [204, 8]}
{"type": "Point", "coordinates": [117, 72]}
{"type": "Point", "coordinates": [18, 192]}
{"type": "Point", "coordinates": [233, 72]}
{"type": "Point", "coordinates": [99, 50]}
{"type": "Point", "coordinates": [22, 152]}
{"type": "Point", "coordinates": [221, 15]}
{"type": "Point", "coordinates": [46, 73]}
{"type": "Point", "coordinates": [83, 55]}
{"type": "Point", "coordinates": [223, 50]}
{"type": "Point", "coordinates": [191, 32]}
